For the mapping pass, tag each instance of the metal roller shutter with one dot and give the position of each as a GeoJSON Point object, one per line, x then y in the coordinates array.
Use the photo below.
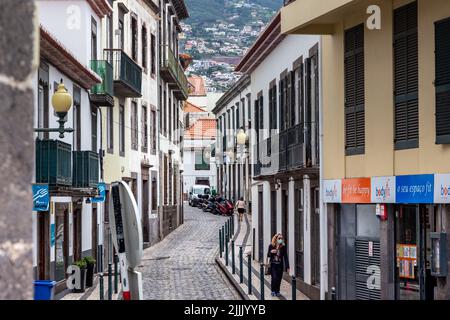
{"type": "Point", "coordinates": [362, 262]}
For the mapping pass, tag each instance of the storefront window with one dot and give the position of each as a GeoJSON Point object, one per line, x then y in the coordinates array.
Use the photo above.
{"type": "Point", "coordinates": [59, 246]}
{"type": "Point", "coordinates": [407, 253]}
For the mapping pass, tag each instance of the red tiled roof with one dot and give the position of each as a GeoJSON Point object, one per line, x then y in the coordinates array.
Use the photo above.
{"type": "Point", "coordinates": [202, 129]}
{"type": "Point", "coordinates": [189, 107]}
{"type": "Point", "coordinates": [198, 86]}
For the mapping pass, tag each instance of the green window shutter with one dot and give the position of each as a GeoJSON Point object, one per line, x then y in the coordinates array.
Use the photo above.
{"type": "Point", "coordinates": [442, 39]}
{"type": "Point", "coordinates": [406, 77]}
{"type": "Point", "coordinates": [354, 91]}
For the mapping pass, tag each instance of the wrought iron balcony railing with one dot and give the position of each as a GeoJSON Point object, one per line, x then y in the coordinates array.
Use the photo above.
{"type": "Point", "coordinates": [127, 74]}
{"type": "Point", "coordinates": [173, 73]}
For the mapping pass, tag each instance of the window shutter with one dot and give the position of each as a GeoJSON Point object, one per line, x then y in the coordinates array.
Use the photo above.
{"type": "Point", "coordinates": [406, 77]}
{"type": "Point", "coordinates": [443, 81]}
{"type": "Point", "coordinates": [354, 91]}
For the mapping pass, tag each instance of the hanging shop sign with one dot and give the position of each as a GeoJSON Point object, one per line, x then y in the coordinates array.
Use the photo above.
{"type": "Point", "coordinates": [41, 197]}
{"type": "Point", "coordinates": [415, 189]}
{"type": "Point", "coordinates": [356, 190]}
{"type": "Point", "coordinates": [332, 191]}
{"type": "Point", "coordinates": [442, 188]}
{"type": "Point", "coordinates": [383, 190]}
{"type": "Point", "coordinates": [102, 193]}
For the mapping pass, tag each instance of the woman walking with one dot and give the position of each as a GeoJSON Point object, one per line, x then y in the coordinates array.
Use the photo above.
{"type": "Point", "coordinates": [240, 206]}
{"type": "Point", "coordinates": [277, 260]}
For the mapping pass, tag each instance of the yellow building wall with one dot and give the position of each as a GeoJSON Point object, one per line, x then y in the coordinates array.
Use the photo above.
{"type": "Point", "coordinates": [380, 158]}
{"type": "Point", "coordinates": [114, 163]}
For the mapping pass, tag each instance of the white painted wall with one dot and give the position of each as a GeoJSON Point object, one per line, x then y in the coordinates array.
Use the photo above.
{"type": "Point", "coordinates": [279, 60]}
{"type": "Point", "coordinates": [190, 174]}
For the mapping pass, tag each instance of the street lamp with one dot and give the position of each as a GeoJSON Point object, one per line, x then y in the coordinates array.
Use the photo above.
{"type": "Point", "coordinates": [61, 102]}
{"type": "Point", "coordinates": [241, 139]}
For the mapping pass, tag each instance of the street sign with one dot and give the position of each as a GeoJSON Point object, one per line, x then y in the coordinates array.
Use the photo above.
{"type": "Point", "coordinates": [102, 193]}
{"type": "Point", "coordinates": [41, 197]}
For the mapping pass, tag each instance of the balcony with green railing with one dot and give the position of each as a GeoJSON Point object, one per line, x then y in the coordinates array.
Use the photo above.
{"type": "Point", "coordinates": [173, 73]}
{"type": "Point", "coordinates": [102, 94]}
{"type": "Point", "coordinates": [127, 74]}
{"type": "Point", "coordinates": [53, 162]}
{"type": "Point", "coordinates": [85, 169]}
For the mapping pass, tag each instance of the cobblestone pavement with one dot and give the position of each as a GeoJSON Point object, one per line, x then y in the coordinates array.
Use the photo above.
{"type": "Point", "coordinates": [182, 266]}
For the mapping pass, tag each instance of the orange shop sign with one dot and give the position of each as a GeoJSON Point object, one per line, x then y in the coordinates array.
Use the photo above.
{"type": "Point", "coordinates": [356, 190]}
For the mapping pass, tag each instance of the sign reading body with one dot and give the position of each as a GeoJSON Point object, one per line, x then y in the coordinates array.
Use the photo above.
{"type": "Point", "coordinates": [415, 189]}
{"type": "Point", "coordinates": [41, 197]}
{"type": "Point", "coordinates": [442, 188]}
{"type": "Point", "coordinates": [383, 190]}
{"type": "Point", "coordinates": [356, 190]}
{"type": "Point", "coordinates": [332, 191]}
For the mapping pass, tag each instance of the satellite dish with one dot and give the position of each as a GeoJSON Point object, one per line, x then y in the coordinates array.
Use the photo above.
{"type": "Point", "coordinates": [125, 223]}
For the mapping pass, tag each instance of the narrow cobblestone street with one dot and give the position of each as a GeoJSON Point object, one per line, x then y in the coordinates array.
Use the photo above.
{"type": "Point", "coordinates": [182, 266]}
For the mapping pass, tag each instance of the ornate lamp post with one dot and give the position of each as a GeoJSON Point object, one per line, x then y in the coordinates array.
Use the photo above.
{"type": "Point", "coordinates": [61, 102]}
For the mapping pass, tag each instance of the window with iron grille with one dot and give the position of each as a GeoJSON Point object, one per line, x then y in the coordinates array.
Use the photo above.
{"type": "Point", "coordinates": [273, 106]}
{"type": "Point", "coordinates": [442, 39]}
{"type": "Point", "coordinates": [110, 129]}
{"type": "Point", "coordinates": [355, 135]}
{"type": "Point", "coordinates": [134, 39]}
{"type": "Point", "coordinates": [134, 126]}
{"type": "Point", "coordinates": [94, 122]}
{"type": "Point", "coordinates": [406, 77]}
{"type": "Point", "coordinates": [144, 47]}
{"type": "Point", "coordinates": [144, 129]}
{"type": "Point", "coordinates": [122, 130]}
{"type": "Point", "coordinates": [153, 131]}
{"type": "Point", "coordinates": [153, 54]}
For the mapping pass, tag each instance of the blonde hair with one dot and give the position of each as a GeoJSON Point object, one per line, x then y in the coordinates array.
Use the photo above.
{"type": "Point", "coordinates": [275, 238]}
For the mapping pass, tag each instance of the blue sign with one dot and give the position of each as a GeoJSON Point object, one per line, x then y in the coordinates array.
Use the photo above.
{"type": "Point", "coordinates": [415, 189]}
{"type": "Point", "coordinates": [52, 235]}
{"type": "Point", "coordinates": [41, 197]}
{"type": "Point", "coordinates": [101, 192]}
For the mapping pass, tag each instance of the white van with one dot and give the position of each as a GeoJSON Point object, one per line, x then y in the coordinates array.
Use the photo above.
{"type": "Point", "coordinates": [197, 190]}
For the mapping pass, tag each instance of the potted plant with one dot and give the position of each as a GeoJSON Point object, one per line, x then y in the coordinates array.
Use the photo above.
{"type": "Point", "coordinates": [90, 265]}
{"type": "Point", "coordinates": [82, 265]}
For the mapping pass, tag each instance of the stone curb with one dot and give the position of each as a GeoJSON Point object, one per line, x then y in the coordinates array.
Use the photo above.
{"type": "Point", "coordinates": [233, 281]}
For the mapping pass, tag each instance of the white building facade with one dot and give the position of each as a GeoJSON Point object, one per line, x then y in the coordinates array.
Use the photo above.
{"type": "Point", "coordinates": [285, 91]}
{"type": "Point", "coordinates": [71, 167]}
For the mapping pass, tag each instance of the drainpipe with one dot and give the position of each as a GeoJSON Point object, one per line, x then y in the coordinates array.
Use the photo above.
{"type": "Point", "coordinates": [323, 211]}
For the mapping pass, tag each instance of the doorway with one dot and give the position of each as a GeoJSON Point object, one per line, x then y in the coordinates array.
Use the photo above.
{"type": "Point", "coordinates": [285, 216]}
{"type": "Point", "coordinates": [77, 218]}
{"type": "Point", "coordinates": [413, 224]}
{"type": "Point", "coordinates": [260, 225]}
{"type": "Point", "coordinates": [43, 263]}
{"type": "Point", "coordinates": [94, 234]}
{"type": "Point", "coordinates": [299, 233]}
{"type": "Point", "coordinates": [145, 205]}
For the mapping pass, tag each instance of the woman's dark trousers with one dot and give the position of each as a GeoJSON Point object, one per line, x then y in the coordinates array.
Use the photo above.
{"type": "Point", "coordinates": [277, 275]}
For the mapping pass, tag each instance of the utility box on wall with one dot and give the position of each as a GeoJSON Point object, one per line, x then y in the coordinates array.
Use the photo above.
{"type": "Point", "coordinates": [439, 263]}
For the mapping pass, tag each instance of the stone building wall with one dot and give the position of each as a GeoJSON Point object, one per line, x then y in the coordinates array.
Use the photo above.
{"type": "Point", "coordinates": [18, 61]}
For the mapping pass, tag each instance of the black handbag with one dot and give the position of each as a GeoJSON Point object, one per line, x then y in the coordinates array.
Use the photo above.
{"type": "Point", "coordinates": [268, 270]}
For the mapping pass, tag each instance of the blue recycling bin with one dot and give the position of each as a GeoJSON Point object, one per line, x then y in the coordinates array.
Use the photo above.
{"type": "Point", "coordinates": [44, 289]}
